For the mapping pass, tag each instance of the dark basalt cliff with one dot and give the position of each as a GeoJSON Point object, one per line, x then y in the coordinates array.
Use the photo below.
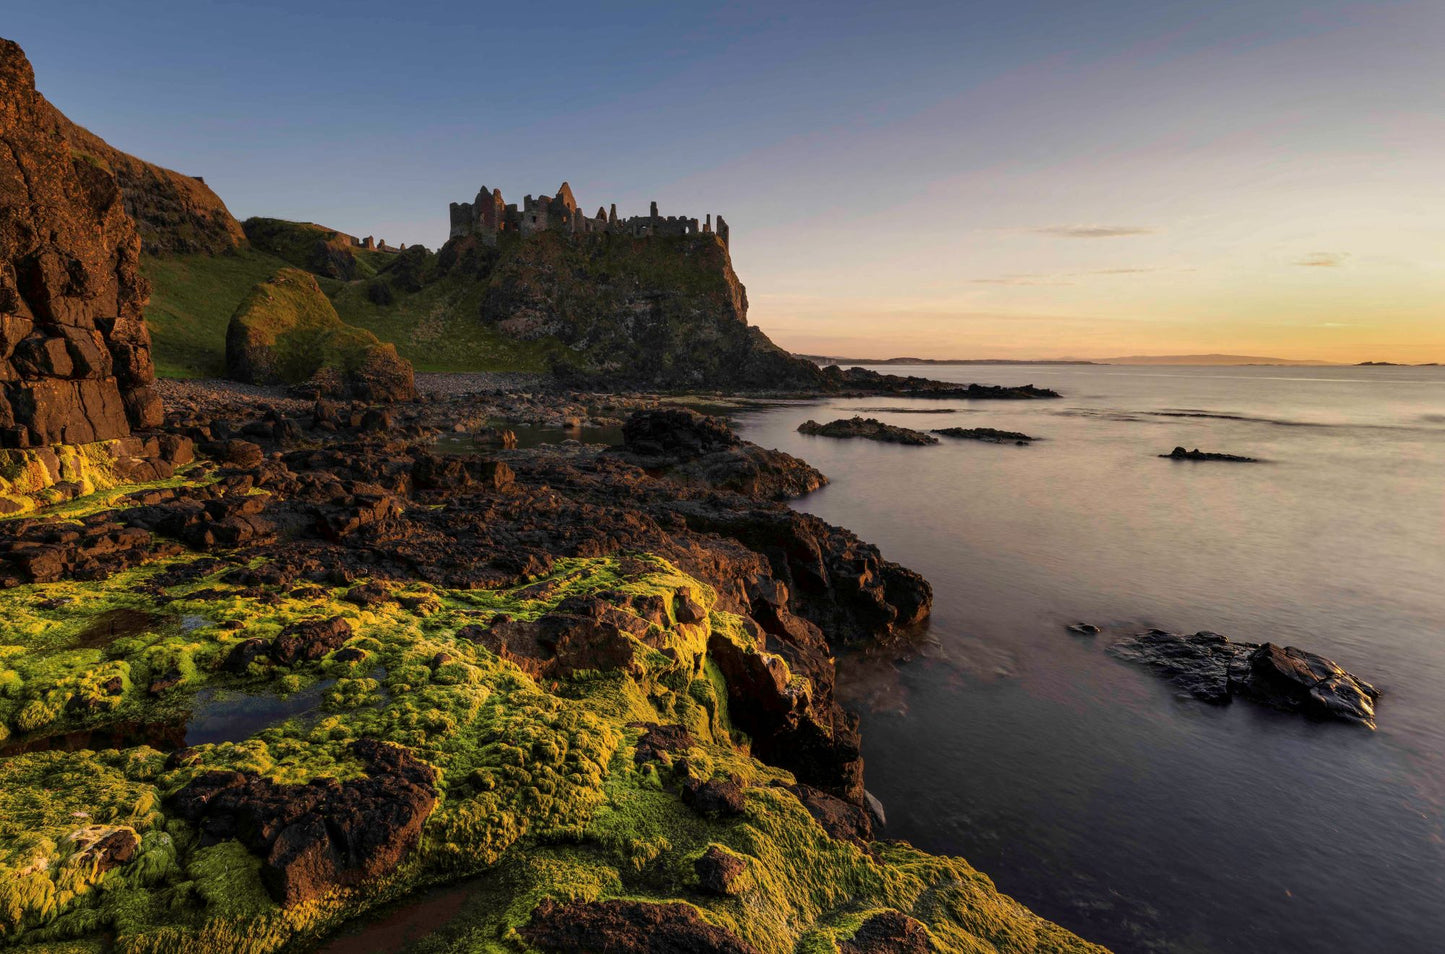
{"type": "Point", "coordinates": [74, 353]}
{"type": "Point", "coordinates": [660, 311]}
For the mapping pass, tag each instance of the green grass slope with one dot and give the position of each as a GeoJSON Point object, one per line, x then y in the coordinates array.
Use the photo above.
{"type": "Point", "coordinates": [192, 300]}
{"type": "Point", "coordinates": [286, 330]}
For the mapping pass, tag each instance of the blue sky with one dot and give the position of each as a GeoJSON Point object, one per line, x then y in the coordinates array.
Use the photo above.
{"type": "Point", "coordinates": [953, 179]}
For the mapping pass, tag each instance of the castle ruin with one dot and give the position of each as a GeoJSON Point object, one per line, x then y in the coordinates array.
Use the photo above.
{"type": "Point", "coordinates": [489, 215]}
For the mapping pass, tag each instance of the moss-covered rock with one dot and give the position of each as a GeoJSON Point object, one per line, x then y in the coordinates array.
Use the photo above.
{"type": "Point", "coordinates": [561, 790]}
{"type": "Point", "coordinates": [286, 331]}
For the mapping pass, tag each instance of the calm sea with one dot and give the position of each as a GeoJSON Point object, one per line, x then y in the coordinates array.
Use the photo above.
{"type": "Point", "coordinates": [1082, 785]}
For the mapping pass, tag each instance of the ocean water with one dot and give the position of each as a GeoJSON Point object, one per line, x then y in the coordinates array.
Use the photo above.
{"type": "Point", "coordinates": [1083, 785]}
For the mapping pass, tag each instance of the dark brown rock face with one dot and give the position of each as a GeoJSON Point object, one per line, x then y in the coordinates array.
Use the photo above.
{"type": "Point", "coordinates": [1214, 668]}
{"type": "Point", "coordinates": [889, 932]}
{"type": "Point", "coordinates": [627, 927]}
{"type": "Point", "coordinates": [323, 835]}
{"type": "Point", "coordinates": [75, 363]}
{"type": "Point", "coordinates": [174, 213]}
{"type": "Point", "coordinates": [703, 451]}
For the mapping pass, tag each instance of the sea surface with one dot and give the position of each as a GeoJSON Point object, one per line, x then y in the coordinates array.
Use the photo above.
{"type": "Point", "coordinates": [1082, 785]}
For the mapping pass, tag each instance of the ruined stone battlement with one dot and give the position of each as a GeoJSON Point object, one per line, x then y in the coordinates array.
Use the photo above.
{"type": "Point", "coordinates": [489, 214]}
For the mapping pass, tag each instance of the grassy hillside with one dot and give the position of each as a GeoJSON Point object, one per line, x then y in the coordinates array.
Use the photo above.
{"type": "Point", "coordinates": [192, 299]}
{"type": "Point", "coordinates": [665, 312]}
{"type": "Point", "coordinates": [439, 328]}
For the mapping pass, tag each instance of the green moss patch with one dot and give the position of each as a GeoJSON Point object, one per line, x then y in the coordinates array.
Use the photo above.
{"type": "Point", "coordinates": [542, 793]}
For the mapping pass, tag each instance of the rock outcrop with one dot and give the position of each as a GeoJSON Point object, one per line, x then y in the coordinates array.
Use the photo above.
{"type": "Point", "coordinates": [660, 312]}
{"type": "Point", "coordinates": [868, 428]}
{"type": "Point", "coordinates": [627, 927]}
{"type": "Point", "coordinates": [691, 448]}
{"type": "Point", "coordinates": [322, 835]}
{"type": "Point", "coordinates": [287, 332]}
{"type": "Point", "coordinates": [1180, 453]}
{"type": "Point", "coordinates": [989, 435]}
{"type": "Point", "coordinates": [75, 363]}
{"type": "Point", "coordinates": [1213, 668]}
{"type": "Point", "coordinates": [175, 213]}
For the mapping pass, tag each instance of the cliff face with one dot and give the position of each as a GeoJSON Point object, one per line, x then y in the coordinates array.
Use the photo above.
{"type": "Point", "coordinates": [174, 213]}
{"type": "Point", "coordinates": [75, 362]}
{"type": "Point", "coordinates": [664, 312]}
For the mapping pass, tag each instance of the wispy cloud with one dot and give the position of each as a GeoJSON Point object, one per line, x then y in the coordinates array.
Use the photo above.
{"type": "Point", "coordinates": [1020, 280]}
{"type": "Point", "coordinates": [1093, 231]}
{"type": "Point", "coordinates": [1323, 259]}
{"type": "Point", "coordinates": [1057, 278]}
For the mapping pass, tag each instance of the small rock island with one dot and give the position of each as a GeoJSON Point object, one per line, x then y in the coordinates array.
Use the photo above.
{"type": "Point", "coordinates": [868, 428]}
{"type": "Point", "coordinates": [1179, 453]}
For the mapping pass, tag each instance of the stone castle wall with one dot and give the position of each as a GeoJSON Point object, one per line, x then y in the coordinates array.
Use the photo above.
{"type": "Point", "coordinates": [488, 215]}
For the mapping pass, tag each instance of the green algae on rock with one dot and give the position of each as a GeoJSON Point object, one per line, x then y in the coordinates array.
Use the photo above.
{"type": "Point", "coordinates": [542, 786]}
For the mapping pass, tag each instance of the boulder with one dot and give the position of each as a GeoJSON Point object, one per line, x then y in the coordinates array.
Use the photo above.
{"type": "Point", "coordinates": [889, 932]}
{"type": "Point", "coordinates": [287, 332]}
{"type": "Point", "coordinates": [1213, 668]}
{"type": "Point", "coordinates": [323, 835]}
{"type": "Point", "coordinates": [627, 927]}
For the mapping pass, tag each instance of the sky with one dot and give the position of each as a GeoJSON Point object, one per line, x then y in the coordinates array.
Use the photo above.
{"type": "Point", "coordinates": [1020, 179]}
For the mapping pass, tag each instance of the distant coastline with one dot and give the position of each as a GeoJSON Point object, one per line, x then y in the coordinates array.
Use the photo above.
{"type": "Point", "coordinates": [1194, 360]}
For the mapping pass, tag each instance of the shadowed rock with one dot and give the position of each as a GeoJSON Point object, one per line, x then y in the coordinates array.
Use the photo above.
{"type": "Point", "coordinates": [1212, 668]}
{"type": "Point", "coordinates": [692, 448]}
{"type": "Point", "coordinates": [988, 435]}
{"type": "Point", "coordinates": [627, 927]}
{"type": "Point", "coordinates": [868, 428]}
{"type": "Point", "coordinates": [322, 835]}
{"type": "Point", "coordinates": [1180, 453]}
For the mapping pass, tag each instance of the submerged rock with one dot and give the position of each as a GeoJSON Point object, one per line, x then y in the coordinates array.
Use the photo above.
{"type": "Point", "coordinates": [869, 428]}
{"type": "Point", "coordinates": [989, 435]}
{"type": "Point", "coordinates": [1180, 453]}
{"type": "Point", "coordinates": [1215, 669]}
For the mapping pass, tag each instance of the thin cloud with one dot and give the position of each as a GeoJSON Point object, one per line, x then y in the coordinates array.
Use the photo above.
{"type": "Point", "coordinates": [1122, 271]}
{"type": "Point", "coordinates": [1093, 231]}
{"type": "Point", "coordinates": [1323, 259]}
{"type": "Point", "coordinates": [1019, 280]}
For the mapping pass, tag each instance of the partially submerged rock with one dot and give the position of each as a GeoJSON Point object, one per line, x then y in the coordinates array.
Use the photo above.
{"type": "Point", "coordinates": [1212, 668]}
{"type": "Point", "coordinates": [988, 435]}
{"type": "Point", "coordinates": [868, 381]}
{"type": "Point", "coordinates": [869, 428]}
{"type": "Point", "coordinates": [1179, 453]}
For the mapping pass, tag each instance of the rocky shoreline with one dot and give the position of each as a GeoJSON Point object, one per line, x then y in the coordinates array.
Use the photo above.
{"type": "Point", "coordinates": [603, 675]}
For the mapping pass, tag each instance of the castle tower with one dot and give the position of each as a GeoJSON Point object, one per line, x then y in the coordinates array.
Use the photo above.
{"type": "Point", "coordinates": [722, 231]}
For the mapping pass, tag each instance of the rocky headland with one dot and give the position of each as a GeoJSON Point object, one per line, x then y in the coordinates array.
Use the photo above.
{"type": "Point", "coordinates": [270, 660]}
